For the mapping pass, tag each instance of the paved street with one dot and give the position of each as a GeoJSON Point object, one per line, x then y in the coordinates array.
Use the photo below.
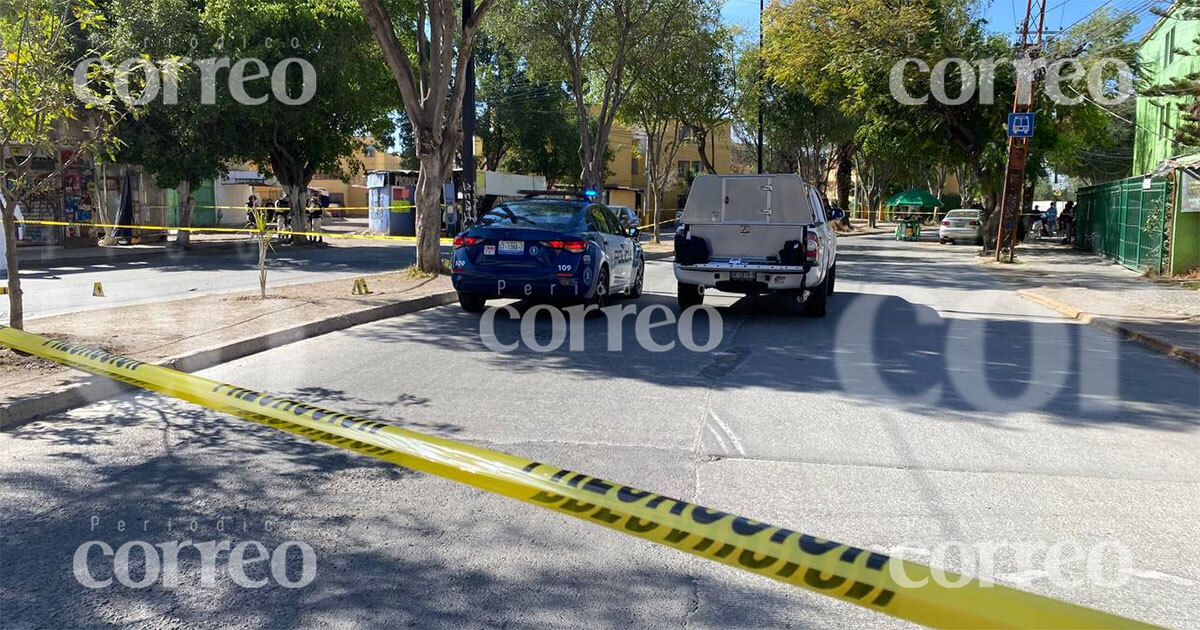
{"type": "Point", "coordinates": [933, 404]}
{"type": "Point", "coordinates": [67, 288]}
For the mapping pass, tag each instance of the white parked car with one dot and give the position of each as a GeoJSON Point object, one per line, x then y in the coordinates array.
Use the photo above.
{"type": "Point", "coordinates": [962, 225]}
{"type": "Point", "coordinates": [756, 234]}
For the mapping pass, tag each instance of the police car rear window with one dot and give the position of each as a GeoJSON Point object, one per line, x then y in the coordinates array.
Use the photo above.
{"type": "Point", "coordinates": [544, 214]}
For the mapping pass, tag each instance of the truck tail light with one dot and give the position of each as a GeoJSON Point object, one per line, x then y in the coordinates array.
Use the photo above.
{"type": "Point", "coordinates": [812, 247]}
{"type": "Point", "coordinates": [464, 241]}
{"type": "Point", "coordinates": [575, 247]}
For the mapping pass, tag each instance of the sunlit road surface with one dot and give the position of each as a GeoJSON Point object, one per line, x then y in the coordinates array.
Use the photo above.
{"type": "Point", "coordinates": [932, 406]}
{"type": "Point", "coordinates": [56, 288]}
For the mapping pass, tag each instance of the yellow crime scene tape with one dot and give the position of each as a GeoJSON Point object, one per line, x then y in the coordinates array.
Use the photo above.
{"type": "Point", "coordinates": [848, 573]}
{"type": "Point", "coordinates": [247, 231]}
{"type": "Point", "coordinates": [650, 225]}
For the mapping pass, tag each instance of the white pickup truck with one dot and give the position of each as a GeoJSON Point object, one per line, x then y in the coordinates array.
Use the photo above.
{"type": "Point", "coordinates": [756, 234]}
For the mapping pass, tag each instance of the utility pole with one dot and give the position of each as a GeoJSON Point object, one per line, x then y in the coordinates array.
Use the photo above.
{"type": "Point", "coordinates": [467, 216]}
{"type": "Point", "coordinates": [762, 79]}
{"type": "Point", "coordinates": [1011, 199]}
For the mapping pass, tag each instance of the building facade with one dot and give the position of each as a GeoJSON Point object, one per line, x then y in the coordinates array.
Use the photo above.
{"type": "Point", "coordinates": [626, 182]}
{"type": "Point", "coordinates": [1158, 117]}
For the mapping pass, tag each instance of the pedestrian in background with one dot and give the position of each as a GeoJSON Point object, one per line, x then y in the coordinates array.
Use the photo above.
{"type": "Point", "coordinates": [1066, 222]}
{"type": "Point", "coordinates": [315, 212]}
{"type": "Point", "coordinates": [1051, 218]}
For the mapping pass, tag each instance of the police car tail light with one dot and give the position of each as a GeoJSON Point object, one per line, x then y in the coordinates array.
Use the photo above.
{"type": "Point", "coordinates": [464, 241]}
{"type": "Point", "coordinates": [813, 247]}
{"type": "Point", "coordinates": [575, 247]}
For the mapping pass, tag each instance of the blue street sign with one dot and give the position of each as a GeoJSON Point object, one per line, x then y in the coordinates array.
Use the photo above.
{"type": "Point", "coordinates": [1020, 125]}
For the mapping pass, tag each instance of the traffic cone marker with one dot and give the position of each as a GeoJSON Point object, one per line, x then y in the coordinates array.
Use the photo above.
{"type": "Point", "coordinates": [360, 287]}
{"type": "Point", "coordinates": [97, 290]}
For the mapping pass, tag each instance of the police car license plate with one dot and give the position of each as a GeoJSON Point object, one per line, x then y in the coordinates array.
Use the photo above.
{"type": "Point", "coordinates": [741, 275]}
{"type": "Point", "coordinates": [512, 247]}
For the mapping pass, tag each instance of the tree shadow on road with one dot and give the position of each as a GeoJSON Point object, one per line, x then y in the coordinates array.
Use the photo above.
{"type": "Point", "coordinates": [874, 349]}
{"type": "Point", "coordinates": [384, 558]}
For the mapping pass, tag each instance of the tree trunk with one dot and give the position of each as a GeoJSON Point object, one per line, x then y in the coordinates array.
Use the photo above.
{"type": "Point", "coordinates": [429, 214]}
{"type": "Point", "coordinates": [16, 302]}
{"type": "Point", "coordinates": [184, 220]}
{"type": "Point", "coordinates": [109, 238]}
{"type": "Point", "coordinates": [262, 258]}
{"type": "Point", "coordinates": [700, 134]}
{"type": "Point", "coordinates": [657, 204]}
{"type": "Point", "coordinates": [845, 171]}
{"type": "Point", "coordinates": [298, 200]}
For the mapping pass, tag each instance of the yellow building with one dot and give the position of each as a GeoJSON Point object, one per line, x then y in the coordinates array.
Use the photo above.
{"type": "Point", "coordinates": [627, 178]}
{"type": "Point", "coordinates": [353, 195]}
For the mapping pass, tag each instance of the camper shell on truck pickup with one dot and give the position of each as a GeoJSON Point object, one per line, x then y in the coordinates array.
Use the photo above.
{"type": "Point", "coordinates": [756, 234]}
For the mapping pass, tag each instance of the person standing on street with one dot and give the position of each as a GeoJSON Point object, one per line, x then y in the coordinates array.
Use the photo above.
{"type": "Point", "coordinates": [1051, 218]}
{"type": "Point", "coordinates": [315, 211]}
{"type": "Point", "coordinates": [1066, 222]}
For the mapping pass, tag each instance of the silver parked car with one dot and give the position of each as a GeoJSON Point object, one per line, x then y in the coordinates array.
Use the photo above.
{"type": "Point", "coordinates": [962, 225]}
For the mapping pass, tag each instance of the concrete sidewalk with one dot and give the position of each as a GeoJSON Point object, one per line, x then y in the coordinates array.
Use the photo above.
{"type": "Point", "coordinates": [198, 333]}
{"type": "Point", "coordinates": [1160, 314]}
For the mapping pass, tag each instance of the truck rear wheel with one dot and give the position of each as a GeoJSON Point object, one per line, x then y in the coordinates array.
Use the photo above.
{"type": "Point", "coordinates": [818, 299]}
{"type": "Point", "coordinates": [690, 295]}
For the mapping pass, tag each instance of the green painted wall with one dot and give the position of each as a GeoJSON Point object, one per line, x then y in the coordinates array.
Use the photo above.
{"type": "Point", "coordinates": [1158, 67]}
{"type": "Point", "coordinates": [1185, 233]}
{"type": "Point", "coordinates": [203, 214]}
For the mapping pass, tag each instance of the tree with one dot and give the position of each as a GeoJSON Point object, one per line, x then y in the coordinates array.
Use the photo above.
{"type": "Point", "coordinates": [602, 47]}
{"type": "Point", "coordinates": [180, 144]}
{"type": "Point", "coordinates": [432, 94]}
{"type": "Point", "coordinates": [524, 121]}
{"type": "Point", "coordinates": [43, 126]}
{"type": "Point", "coordinates": [842, 54]}
{"type": "Point", "coordinates": [349, 95]}
{"type": "Point", "coordinates": [661, 101]}
{"type": "Point", "coordinates": [709, 83]}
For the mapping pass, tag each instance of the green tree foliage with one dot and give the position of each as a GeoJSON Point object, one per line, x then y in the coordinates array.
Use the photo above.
{"type": "Point", "coordinates": [352, 99]}
{"type": "Point", "coordinates": [711, 81]}
{"type": "Point", "coordinates": [182, 143]}
{"type": "Point", "coordinates": [525, 123]}
{"type": "Point", "coordinates": [670, 95]}
{"type": "Point", "coordinates": [602, 48]}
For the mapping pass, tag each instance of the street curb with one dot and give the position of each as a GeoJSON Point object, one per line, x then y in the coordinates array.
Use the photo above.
{"type": "Point", "coordinates": [86, 389]}
{"type": "Point", "coordinates": [1114, 326]}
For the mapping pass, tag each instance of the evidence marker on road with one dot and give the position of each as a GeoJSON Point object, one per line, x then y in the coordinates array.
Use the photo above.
{"type": "Point", "coordinates": [97, 290]}
{"type": "Point", "coordinates": [847, 573]}
{"type": "Point", "coordinates": [360, 287]}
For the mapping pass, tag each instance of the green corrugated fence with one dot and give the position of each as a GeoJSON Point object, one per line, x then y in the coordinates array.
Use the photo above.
{"type": "Point", "coordinates": [1124, 221]}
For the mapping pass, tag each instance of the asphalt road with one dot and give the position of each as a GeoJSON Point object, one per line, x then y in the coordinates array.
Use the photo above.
{"type": "Point", "coordinates": [933, 405]}
{"type": "Point", "coordinates": [52, 289]}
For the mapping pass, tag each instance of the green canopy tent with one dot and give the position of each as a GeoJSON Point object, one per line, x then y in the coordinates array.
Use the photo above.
{"type": "Point", "coordinates": [910, 229]}
{"type": "Point", "coordinates": [914, 197]}
{"type": "Point", "coordinates": [917, 198]}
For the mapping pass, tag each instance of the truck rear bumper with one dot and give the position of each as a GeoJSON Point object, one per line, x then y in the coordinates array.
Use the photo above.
{"type": "Point", "coordinates": [748, 278]}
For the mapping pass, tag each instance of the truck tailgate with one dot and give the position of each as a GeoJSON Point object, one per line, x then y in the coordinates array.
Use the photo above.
{"type": "Point", "coordinates": [750, 240]}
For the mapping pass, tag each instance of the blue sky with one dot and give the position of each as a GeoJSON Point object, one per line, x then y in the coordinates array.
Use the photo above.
{"type": "Point", "coordinates": [1000, 14]}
